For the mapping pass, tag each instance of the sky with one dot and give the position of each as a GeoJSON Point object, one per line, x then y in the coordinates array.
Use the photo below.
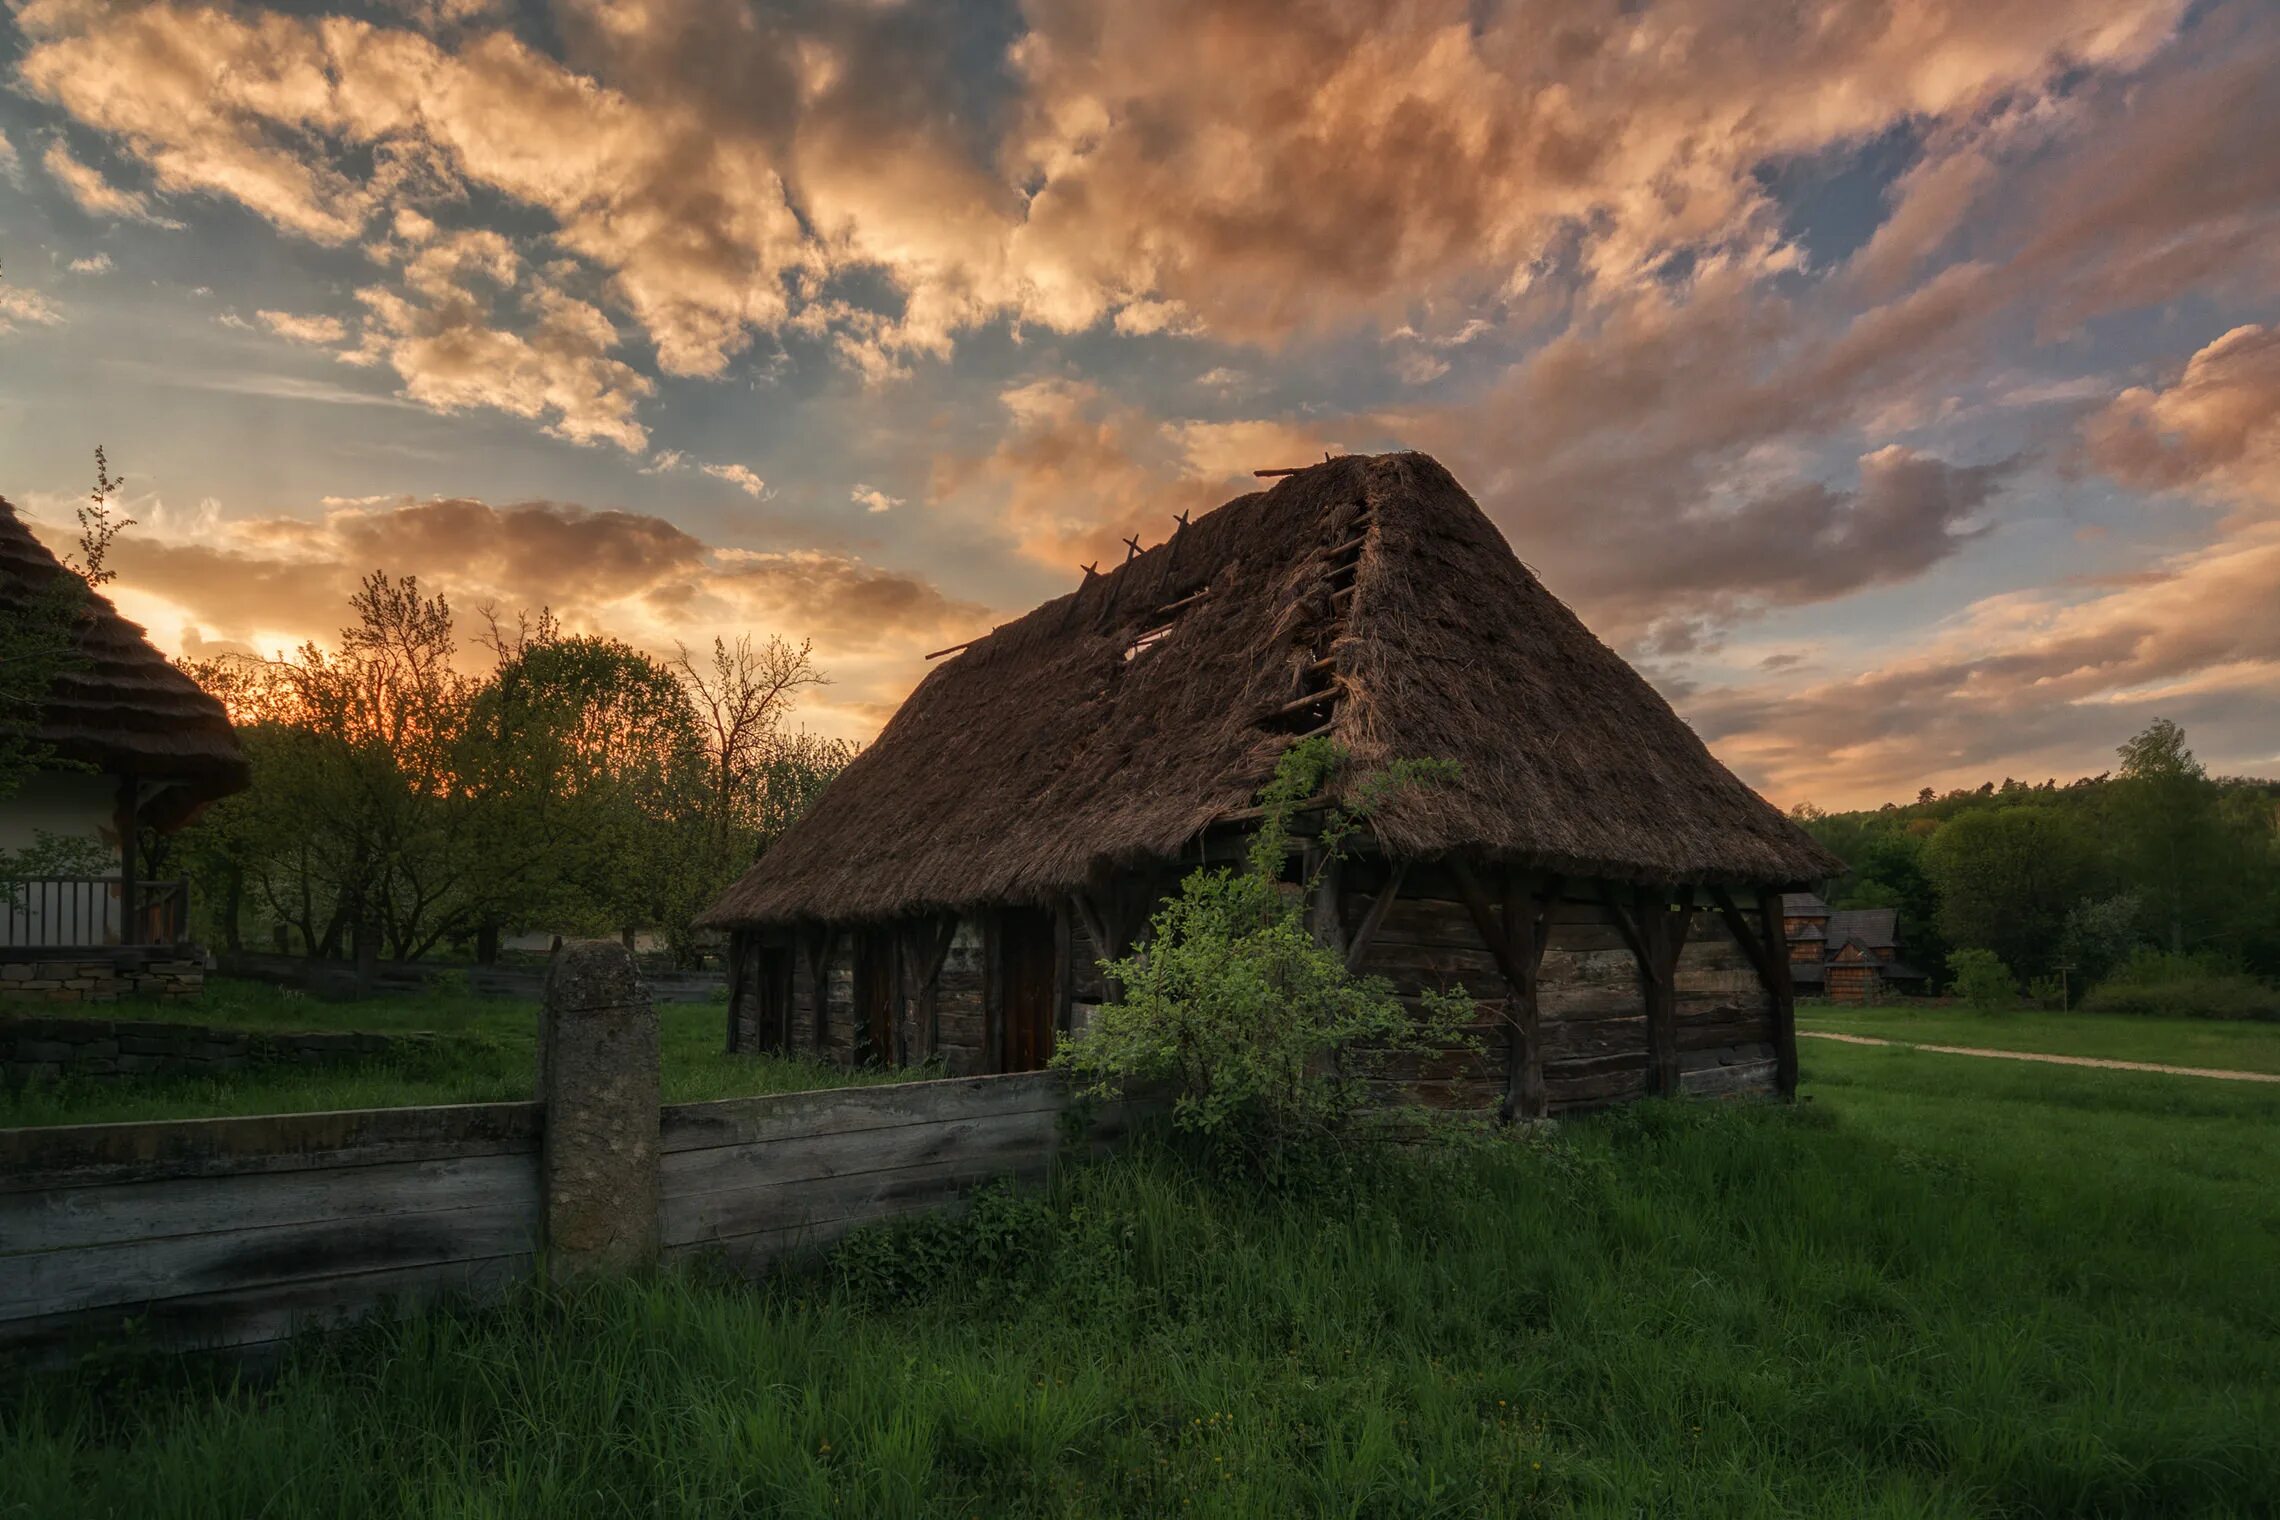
{"type": "Point", "coordinates": [1896, 384]}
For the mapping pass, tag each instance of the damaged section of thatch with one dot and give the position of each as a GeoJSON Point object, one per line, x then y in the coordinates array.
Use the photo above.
{"type": "Point", "coordinates": [124, 708]}
{"type": "Point", "coordinates": [1366, 597]}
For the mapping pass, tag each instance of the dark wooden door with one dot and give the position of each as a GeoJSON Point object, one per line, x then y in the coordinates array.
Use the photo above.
{"type": "Point", "coordinates": [1031, 987]}
{"type": "Point", "coordinates": [875, 996]}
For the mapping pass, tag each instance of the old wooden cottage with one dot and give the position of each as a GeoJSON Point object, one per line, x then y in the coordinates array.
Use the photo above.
{"type": "Point", "coordinates": [1850, 954]}
{"type": "Point", "coordinates": [128, 745]}
{"type": "Point", "coordinates": [1609, 892]}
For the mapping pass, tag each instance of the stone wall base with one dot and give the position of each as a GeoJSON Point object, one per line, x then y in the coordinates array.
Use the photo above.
{"type": "Point", "coordinates": [102, 977]}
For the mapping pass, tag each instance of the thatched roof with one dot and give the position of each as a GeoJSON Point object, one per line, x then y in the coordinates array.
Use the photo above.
{"type": "Point", "coordinates": [1043, 754]}
{"type": "Point", "coordinates": [126, 709]}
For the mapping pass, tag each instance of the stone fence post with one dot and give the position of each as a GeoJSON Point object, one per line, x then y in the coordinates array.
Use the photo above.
{"type": "Point", "coordinates": [597, 1076]}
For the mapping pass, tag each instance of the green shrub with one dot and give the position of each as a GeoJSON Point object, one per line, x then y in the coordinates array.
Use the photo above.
{"type": "Point", "coordinates": [1270, 1049]}
{"type": "Point", "coordinates": [2164, 985]}
{"type": "Point", "coordinates": [1982, 980]}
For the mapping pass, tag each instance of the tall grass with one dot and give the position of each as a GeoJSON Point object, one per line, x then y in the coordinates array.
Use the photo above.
{"type": "Point", "coordinates": [1938, 1289]}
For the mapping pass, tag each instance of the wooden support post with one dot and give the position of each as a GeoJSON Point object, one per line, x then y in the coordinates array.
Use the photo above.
{"type": "Point", "coordinates": [993, 992]}
{"type": "Point", "coordinates": [129, 824]}
{"type": "Point", "coordinates": [1773, 933]}
{"type": "Point", "coordinates": [1528, 920]}
{"type": "Point", "coordinates": [1517, 933]}
{"type": "Point", "coordinates": [924, 944]}
{"type": "Point", "coordinates": [1064, 967]}
{"type": "Point", "coordinates": [1661, 934]}
{"type": "Point", "coordinates": [818, 941]}
{"type": "Point", "coordinates": [899, 991]}
{"type": "Point", "coordinates": [739, 943]}
{"type": "Point", "coordinates": [597, 1076]}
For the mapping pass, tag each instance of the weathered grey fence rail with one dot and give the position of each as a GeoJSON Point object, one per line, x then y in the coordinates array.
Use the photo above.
{"type": "Point", "coordinates": [236, 1232]}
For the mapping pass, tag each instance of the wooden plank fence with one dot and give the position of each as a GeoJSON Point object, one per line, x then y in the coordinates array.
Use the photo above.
{"type": "Point", "coordinates": [233, 1233]}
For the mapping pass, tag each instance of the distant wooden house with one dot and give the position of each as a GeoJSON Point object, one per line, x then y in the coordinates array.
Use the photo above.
{"type": "Point", "coordinates": [1852, 955]}
{"type": "Point", "coordinates": [131, 743]}
{"type": "Point", "coordinates": [1606, 889]}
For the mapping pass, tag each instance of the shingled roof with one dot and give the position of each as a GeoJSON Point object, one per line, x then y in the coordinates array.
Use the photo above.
{"type": "Point", "coordinates": [1368, 598]}
{"type": "Point", "coordinates": [125, 709]}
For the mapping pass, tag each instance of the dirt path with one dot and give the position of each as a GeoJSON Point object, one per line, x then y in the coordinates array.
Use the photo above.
{"type": "Point", "coordinates": [2035, 1055]}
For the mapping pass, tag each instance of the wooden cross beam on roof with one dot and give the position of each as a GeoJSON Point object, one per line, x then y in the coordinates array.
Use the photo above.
{"type": "Point", "coordinates": [1131, 547]}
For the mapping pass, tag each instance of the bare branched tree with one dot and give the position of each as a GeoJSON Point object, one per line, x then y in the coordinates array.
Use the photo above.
{"type": "Point", "coordinates": [742, 695]}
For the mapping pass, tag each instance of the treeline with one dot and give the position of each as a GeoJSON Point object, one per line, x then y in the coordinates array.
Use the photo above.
{"type": "Point", "coordinates": [2152, 875]}
{"type": "Point", "coordinates": [402, 806]}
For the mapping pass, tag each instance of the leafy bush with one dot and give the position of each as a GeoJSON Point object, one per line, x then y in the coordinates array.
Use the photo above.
{"type": "Point", "coordinates": [1269, 1047]}
{"type": "Point", "coordinates": [2173, 986]}
{"type": "Point", "coordinates": [1982, 980]}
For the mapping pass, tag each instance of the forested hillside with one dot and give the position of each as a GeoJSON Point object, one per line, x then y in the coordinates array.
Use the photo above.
{"type": "Point", "coordinates": [2152, 874]}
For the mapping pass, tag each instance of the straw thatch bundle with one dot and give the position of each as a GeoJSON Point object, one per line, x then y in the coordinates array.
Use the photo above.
{"type": "Point", "coordinates": [125, 709]}
{"type": "Point", "coordinates": [1050, 752]}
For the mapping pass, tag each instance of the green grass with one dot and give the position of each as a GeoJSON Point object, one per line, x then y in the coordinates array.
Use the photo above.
{"type": "Point", "coordinates": [1937, 1288]}
{"type": "Point", "coordinates": [2227, 1045]}
{"type": "Point", "coordinates": [486, 1052]}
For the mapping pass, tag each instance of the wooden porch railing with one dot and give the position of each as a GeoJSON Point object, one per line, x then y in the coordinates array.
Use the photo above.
{"type": "Point", "coordinates": [91, 912]}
